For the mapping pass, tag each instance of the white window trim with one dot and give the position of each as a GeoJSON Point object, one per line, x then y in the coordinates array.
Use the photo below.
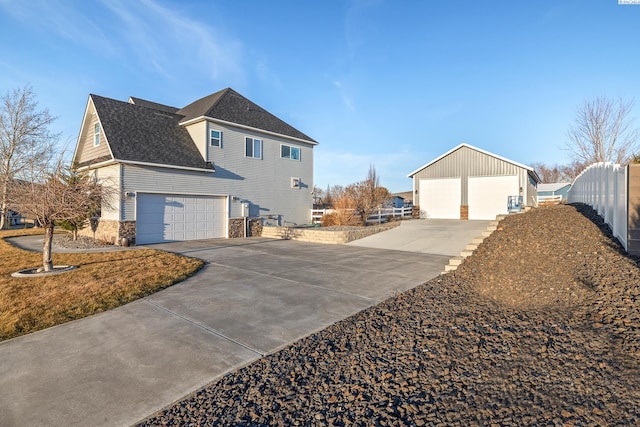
{"type": "Point", "coordinates": [210, 138]}
{"type": "Point", "coordinates": [96, 134]}
{"type": "Point", "coordinates": [253, 148]}
{"type": "Point", "coordinates": [291, 148]}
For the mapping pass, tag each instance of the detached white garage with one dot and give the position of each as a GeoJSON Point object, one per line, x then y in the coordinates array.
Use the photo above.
{"type": "Point", "coordinates": [469, 183]}
{"type": "Point", "coordinates": [174, 217]}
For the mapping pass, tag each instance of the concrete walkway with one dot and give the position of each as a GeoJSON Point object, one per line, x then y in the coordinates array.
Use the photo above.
{"type": "Point", "coordinates": [253, 297]}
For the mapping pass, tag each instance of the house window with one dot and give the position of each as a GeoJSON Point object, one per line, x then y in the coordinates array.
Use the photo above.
{"type": "Point", "coordinates": [96, 134]}
{"type": "Point", "coordinates": [253, 147]}
{"type": "Point", "coordinates": [289, 152]}
{"type": "Point", "coordinates": [215, 138]}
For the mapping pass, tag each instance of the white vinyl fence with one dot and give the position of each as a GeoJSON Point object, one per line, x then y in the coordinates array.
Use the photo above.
{"type": "Point", "coordinates": [378, 217]}
{"type": "Point", "coordinates": [603, 186]}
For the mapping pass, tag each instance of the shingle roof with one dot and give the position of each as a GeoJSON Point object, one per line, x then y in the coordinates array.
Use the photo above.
{"type": "Point", "coordinates": [230, 106]}
{"type": "Point", "coordinates": [154, 105]}
{"type": "Point", "coordinates": [148, 135]}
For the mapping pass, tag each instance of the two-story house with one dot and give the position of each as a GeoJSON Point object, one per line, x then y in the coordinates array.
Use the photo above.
{"type": "Point", "coordinates": [189, 173]}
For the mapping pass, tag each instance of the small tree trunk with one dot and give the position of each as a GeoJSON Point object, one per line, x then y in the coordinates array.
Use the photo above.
{"type": "Point", "coordinates": [74, 233]}
{"type": "Point", "coordinates": [47, 263]}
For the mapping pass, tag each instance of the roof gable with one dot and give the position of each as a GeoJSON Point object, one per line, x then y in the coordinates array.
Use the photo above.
{"type": "Point", "coordinates": [471, 147]}
{"type": "Point", "coordinates": [140, 134]}
{"type": "Point", "coordinates": [229, 106]}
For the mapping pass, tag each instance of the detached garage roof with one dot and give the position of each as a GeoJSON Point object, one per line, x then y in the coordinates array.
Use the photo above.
{"type": "Point", "coordinates": [531, 171]}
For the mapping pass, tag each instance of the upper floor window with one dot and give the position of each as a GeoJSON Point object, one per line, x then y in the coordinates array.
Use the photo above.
{"type": "Point", "coordinates": [253, 147]}
{"type": "Point", "coordinates": [215, 138]}
{"type": "Point", "coordinates": [96, 134]}
{"type": "Point", "coordinates": [289, 152]}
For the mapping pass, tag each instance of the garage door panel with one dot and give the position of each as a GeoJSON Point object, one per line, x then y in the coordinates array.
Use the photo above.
{"type": "Point", "coordinates": [440, 198]}
{"type": "Point", "coordinates": [166, 217]}
{"type": "Point", "coordinates": [488, 195]}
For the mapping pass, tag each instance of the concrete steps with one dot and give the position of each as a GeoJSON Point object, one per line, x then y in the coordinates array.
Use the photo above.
{"type": "Point", "coordinates": [468, 250]}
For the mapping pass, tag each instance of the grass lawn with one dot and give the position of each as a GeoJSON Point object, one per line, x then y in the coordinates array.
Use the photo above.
{"type": "Point", "coordinates": [103, 281]}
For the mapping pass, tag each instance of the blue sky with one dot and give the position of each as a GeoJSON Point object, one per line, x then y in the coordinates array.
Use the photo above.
{"type": "Point", "coordinates": [391, 83]}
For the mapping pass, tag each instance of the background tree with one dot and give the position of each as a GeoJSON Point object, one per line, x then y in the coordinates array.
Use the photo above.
{"type": "Point", "coordinates": [548, 174]}
{"type": "Point", "coordinates": [25, 138]}
{"type": "Point", "coordinates": [559, 173]}
{"type": "Point", "coordinates": [71, 177]}
{"type": "Point", "coordinates": [603, 132]}
{"type": "Point", "coordinates": [368, 195]}
{"type": "Point", "coordinates": [48, 197]}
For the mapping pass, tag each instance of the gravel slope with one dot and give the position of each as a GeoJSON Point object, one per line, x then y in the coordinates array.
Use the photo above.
{"type": "Point", "coordinates": [541, 326]}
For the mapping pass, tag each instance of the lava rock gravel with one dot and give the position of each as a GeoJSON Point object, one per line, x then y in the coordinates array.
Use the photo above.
{"type": "Point", "coordinates": [541, 326]}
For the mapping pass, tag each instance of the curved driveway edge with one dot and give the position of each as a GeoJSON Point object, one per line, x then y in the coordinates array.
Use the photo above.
{"type": "Point", "coordinates": [253, 297]}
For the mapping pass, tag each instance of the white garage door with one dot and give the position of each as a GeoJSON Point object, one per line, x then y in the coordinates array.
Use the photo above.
{"type": "Point", "coordinates": [170, 217]}
{"type": "Point", "coordinates": [440, 198]}
{"type": "Point", "coordinates": [488, 195]}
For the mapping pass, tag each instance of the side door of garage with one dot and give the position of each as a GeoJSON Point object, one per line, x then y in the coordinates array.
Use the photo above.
{"type": "Point", "coordinates": [172, 217]}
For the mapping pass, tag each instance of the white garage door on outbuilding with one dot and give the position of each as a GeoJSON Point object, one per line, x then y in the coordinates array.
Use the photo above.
{"type": "Point", "coordinates": [488, 195]}
{"type": "Point", "coordinates": [173, 217]}
{"type": "Point", "coordinates": [469, 183]}
{"type": "Point", "coordinates": [441, 198]}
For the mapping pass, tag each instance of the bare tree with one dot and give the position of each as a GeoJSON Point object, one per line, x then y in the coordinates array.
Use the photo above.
{"type": "Point", "coordinates": [603, 132]}
{"type": "Point", "coordinates": [548, 174]}
{"type": "Point", "coordinates": [48, 197]}
{"type": "Point", "coordinates": [368, 194]}
{"type": "Point", "coordinates": [25, 138]}
{"type": "Point", "coordinates": [572, 170]}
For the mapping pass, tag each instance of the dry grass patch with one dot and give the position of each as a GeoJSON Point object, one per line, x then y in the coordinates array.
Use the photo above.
{"type": "Point", "coordinates": [103, 281]}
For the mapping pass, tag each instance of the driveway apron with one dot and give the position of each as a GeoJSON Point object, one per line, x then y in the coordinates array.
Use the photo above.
{"type": "Point", "coordinates": [253, 297]}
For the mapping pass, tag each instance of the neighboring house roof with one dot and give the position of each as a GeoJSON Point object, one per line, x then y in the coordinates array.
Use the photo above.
{"type": "Point", "coordinates": [553, 187]}
{"type": "Point", "coordinates": [136, 133]}
{"type": "Point", "coordinates": [531, 171]}
{"type": "Point", "coordinates": [407, 195]}
{"type": "Point", "coordinates": [229, 106]}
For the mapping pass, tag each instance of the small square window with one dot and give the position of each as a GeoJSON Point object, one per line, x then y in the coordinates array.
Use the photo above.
{"type": "Point", "coordinates": [215, 138]}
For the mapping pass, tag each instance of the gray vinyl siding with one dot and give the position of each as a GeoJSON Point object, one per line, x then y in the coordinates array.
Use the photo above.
{"type": "Point", "coordinates": [466, 162]}
{"type": "Point", "coordinates": [265, 184]}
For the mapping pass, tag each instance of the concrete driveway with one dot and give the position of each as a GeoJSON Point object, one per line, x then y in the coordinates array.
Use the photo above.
{"type": "Point", "coordinates": [427, 236]}
{"type": "Point", "coordinates": [253, 297]}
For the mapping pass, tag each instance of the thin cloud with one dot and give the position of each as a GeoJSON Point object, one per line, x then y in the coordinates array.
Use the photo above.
{"type": "Point", "coordinates": [342, 91]}
{"type": "Point", "coordinates": [65, 20]}
{"type": "Point", "coordinates": [168, 39]}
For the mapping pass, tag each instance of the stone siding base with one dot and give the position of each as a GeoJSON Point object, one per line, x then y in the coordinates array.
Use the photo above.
{"type": "Point", "coordinates": [415, 212]}
{"type": "Point", "coordinates": [110, 231]}
{"type": "Point", "coordinates": [236, 227]}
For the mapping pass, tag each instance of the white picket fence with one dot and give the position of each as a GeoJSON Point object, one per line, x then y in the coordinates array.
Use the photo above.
{"type": "Point", "coordinates": [378, 217]}
{"type": "Point", "coordinates": [603, 186]}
